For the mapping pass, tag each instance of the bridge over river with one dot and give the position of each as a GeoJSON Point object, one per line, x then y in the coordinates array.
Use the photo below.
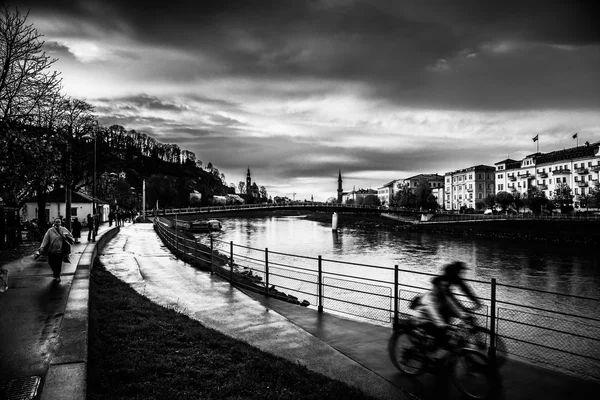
{"type": "Point", "coordinates": [398, 213]}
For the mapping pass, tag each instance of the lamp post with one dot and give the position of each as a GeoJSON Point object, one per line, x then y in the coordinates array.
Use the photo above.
{"type": "Point", "coordinates": [68, 179]}
{"type": "Point", "coordinates": [93, 136]}
{"type": "Point", "coordinates": [94, 186]}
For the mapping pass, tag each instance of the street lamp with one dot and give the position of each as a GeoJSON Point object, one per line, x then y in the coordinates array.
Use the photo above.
{"type": "Point", "coordinates": [93, 136]}
{"type": "Point", "coordinates": [68, 184]}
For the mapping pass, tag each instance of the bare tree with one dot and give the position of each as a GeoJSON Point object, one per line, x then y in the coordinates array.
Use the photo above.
{"type": "Point", "coordinates": [25, 78]}
{"type": "Point", "coordinates": [263, 192]}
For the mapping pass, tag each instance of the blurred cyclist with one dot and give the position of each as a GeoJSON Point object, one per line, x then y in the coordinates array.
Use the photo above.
{"type": "Point", "coordinates": [440, 305]}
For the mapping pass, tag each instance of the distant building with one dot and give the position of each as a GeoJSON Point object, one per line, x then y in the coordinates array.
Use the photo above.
{"type": "Point", "coordinates": [340, 191]}
{"type": "Point", "coordinates": [468, 187]}
{"type": "Point", "coordinates": [578, 167]}
{"type": "Point", "coordinates": [252, 189]}
{"type": "Point", "coordinates": [357, 195]}
{"type": "Point", "coordinates": [386, 193]}
{"type": "Point", "coordinates": [81, 206]}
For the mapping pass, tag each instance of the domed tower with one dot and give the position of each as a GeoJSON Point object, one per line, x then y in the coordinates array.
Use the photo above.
{"type": "Point", "coordinates": [248, 183]}
{"type": "Point", "coordinates": [339, 190]}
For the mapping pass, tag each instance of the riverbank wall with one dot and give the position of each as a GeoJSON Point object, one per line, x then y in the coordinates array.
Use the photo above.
{"type": "Point", "coordinates": [579, 232]}
{"type": "Point", "coordinates": [568, 231]}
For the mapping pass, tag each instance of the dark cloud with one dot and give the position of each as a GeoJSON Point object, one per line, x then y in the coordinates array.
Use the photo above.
{"type": "Point", "coordinates": [142, 124]}
{"type": "Point", "coordinates": [57, 50]}
{"type": "Point", "coordinates": [141, 102]}
{"type": "Point", "coordinates": [399, 49]}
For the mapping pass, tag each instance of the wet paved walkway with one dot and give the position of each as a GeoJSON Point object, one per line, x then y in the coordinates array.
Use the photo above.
{"type": "Point", "coordinates": [137, 256]}
{"type": "Point", "coordinates": [43, 327]}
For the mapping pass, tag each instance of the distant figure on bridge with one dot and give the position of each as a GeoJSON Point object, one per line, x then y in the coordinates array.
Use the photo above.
{"type": "Point", "coordinates": [440, 305]}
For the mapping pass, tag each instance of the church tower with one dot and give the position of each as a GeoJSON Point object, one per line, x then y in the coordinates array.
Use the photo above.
{"type": "Point", "coordinates": [339, 190]}
{"type": "Point", "coordinates": [248, 183]}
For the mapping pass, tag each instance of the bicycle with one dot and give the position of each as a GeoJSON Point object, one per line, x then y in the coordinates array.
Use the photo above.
{"type": "Point", "coordinates": [411, 346]}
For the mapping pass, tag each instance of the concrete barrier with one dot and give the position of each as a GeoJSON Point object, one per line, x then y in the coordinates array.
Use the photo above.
{"type": "Point", "coordinates": [67, 374]}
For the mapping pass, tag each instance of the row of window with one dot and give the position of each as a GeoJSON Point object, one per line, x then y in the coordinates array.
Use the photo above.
{"type": "Point", "coordinates": [469, 177]}
{"type": "Point", "coordinates": [470, 186]}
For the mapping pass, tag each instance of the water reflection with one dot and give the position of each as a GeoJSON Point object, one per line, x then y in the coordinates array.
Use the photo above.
{"type": "Point", "coordinates": [336, 243]}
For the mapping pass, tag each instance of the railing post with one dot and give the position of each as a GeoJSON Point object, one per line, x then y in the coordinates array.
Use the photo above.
{"type": "Point", "coordinates": [492, 348]}
{"type": "Point", "coordinates": [196, 250]}
{"type": "Point", "coordinates": [176, 236]}
{"type": "Point", "coordinates": [267, 271]}
{"type": "Point", "coordinates": [320, 286]}
{"type": "Point", "coordinates": [395, 326]}
{"type": "Point", "coordinates": [231, 261]}
{"type": "Point", "coordinates": [212, 252]}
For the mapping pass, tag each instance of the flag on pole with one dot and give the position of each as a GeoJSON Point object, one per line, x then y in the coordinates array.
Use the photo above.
{"type": "Point", "coordinates": [535, 139]}
{"type": "Point", "coordinates": [575, 136]}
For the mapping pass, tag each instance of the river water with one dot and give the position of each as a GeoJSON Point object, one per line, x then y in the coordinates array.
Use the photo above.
{"type": "Point", "coordinates": [547, 267]}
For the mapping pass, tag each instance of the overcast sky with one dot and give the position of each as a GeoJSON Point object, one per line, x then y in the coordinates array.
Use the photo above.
{"type": "Point", "coordinates": [297, 90]}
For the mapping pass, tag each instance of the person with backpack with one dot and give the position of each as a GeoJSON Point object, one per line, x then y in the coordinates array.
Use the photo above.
{"type": "Point", "coordinates": [55, 248]}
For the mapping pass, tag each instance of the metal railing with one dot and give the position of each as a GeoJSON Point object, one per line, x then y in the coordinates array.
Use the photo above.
{"type": "Point", "coordinates": [394, 213]}
{"type": "Point", "coordinates": [554, 336]}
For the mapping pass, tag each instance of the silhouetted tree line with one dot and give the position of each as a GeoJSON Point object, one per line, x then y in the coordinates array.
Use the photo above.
{"type": "Point", "coordinates": [48, 139]}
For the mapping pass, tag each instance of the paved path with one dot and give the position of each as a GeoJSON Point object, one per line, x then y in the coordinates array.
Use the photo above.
{"type": "Point", "coordinates": [137, 257]}
{"type": "Point", "coordinates": [41, 325]}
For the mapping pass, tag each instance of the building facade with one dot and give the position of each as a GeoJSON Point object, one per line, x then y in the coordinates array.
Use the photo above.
{"type": "Point", "coordinates": [81, 206]}
{"type": "Point", "coordinates": [386, 193]}
{"type": "Point", "coordinates": [357, 196]}
{"type": "Point", "coordinates": [578, 167]}
{"type": "Point", "coordinates": [468, 187]}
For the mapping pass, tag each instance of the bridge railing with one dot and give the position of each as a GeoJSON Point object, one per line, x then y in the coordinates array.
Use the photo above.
{"type": "Point", "coordinates": [551, 334]}
{"type": "Point", "coordinates": [409, 215]}
{"type": "Point", "coordinates": [266, 206]}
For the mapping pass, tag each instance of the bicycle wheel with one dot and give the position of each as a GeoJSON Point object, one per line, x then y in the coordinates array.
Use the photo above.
{"type": "Point", "coordinates": [472, 374]}
{"type": "Point", "coordinates": [406, 353]}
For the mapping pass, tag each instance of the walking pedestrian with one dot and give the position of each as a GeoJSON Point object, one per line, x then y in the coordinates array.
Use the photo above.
{"type": "Point", "coordinates": [76, 229]}
{"type": "Point", "coordinates": [90, 226]}
{"type": "Point", "coordinates": [53, 247]}
{"type": "Point", "coordinates": [96, 225]}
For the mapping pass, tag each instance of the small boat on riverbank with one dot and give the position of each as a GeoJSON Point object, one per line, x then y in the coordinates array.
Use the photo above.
{"type": "Point", "coordinates": [200, 225]}
{"type": "Point", "coordinates": [205, 226]}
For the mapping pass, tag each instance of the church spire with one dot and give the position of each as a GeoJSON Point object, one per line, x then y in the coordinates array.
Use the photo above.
{"type": "Point", "coordinates": [248, 183]}
{"type": "Point", "coordinates": [339, 190]}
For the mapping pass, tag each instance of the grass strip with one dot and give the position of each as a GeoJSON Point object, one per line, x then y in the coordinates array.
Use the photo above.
{"type": "Point", "coordinates": [141, 350]}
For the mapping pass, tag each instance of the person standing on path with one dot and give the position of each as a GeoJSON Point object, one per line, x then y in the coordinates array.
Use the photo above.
{"type": "Point", "coordinates": [96, 225]}
{"type": "Point", "coordinates": [76, 229]}
{"type": "Point", "coordinates": [52, 246]}
{"type": "Point", "coordinates": [90, 226]}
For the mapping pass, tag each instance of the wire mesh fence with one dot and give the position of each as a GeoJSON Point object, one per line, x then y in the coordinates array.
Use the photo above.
{"type": "Point", "coordinates": [550, 335]}
{"type": "Point", "coordinates": [551, 340]}
{"type": "Point", "coordinates": [360, 299]}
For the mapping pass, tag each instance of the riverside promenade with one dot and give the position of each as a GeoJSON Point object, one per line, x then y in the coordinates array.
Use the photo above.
{"type": "Point", "coordinates": [44, 327]}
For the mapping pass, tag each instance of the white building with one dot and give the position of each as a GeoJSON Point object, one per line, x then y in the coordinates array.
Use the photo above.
{"type": "Point", "coordinates": [578, 167]}
{"type": "Point", "coordinates": [386, 193]}
{"type": "Point", "coordinates": [469, 187]}
{"type": "Point", "coordinates": [81, 206]}
{"type": "Point", "coordinates": [357, 195]}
